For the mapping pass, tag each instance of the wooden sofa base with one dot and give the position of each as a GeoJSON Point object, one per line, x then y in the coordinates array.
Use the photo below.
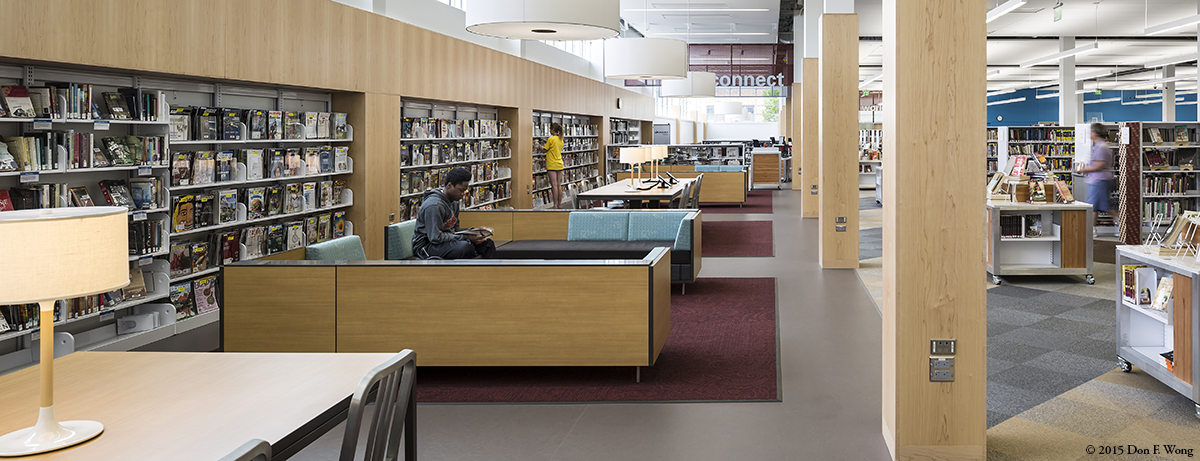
{"type": "Point", "coordinates": [455, 313]}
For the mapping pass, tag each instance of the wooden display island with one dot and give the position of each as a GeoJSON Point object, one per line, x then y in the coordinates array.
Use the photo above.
{"type": "Point", "coordinates": [766, 167]}
{"type": "Point", "coordinates": [1061, 246]}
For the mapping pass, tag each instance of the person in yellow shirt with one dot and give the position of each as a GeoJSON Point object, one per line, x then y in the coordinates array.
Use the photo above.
{"type": "Point", "coordinates": [554, 163]}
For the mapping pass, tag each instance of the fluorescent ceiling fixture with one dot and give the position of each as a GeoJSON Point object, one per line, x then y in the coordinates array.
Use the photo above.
{"type": "Point", "coordinates": [1156, 81]}
{"type": "Point", "coordinates": [993, 73]}
{"type": "Point", "coordinates": [709, 33]}
{"type": "Point", "coordinates": [1010, 90]}
{"type": "Point", "coordinates": [1189, 103]}
{"type": "Point", "coordinates": [1103, 73]}
{"type": "Point", "coordinates": [1048, 95]}
{"type": "Point", "coordinates": [1138, 103]}
{"type": "Point", "coordinates": [1173, 60]}
{"type": "Point", "coordinates": [700, 10]}
{"type": "Point", "coordinates": [1065, 54]}
{"type": "Point", "coordinates": [1094, 101]}
{"type": "Point", "coordinates": [1004, 9]}
{"type": "Point", "coordinates": [1176, 24]}
{"type": "Point", "coordinates": [1006, 101]}
{"type": "Point", "coordinates": [869, 80]}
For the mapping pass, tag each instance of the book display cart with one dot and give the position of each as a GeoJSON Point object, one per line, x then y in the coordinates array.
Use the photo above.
{"type": "Point", "coordinates": [1156, 316]}
{"type": "Point", "coordinates": [439, 136]}
{"type": "Point", "coordinates": [622, 133]}
{"type": "Point", "coordinates": [870, 157]}
{"type": "Point", "coordinates": [581, 153]}
{"type": "Point", "coordinates": [1039, 239]}
{"type": "Point", "coordinates": [175, 153]}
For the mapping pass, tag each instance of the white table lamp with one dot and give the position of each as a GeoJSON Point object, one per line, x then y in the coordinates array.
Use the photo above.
{"type": "Point", "coordinates": [52, 254]}
{"type": "Point", "coordinates": [634, 156]}
{"type": "Point", "coordinates": [657, 153]}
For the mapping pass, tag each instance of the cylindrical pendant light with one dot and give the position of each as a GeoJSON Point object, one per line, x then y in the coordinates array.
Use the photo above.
{"type": "Point", "coordinates": [544, 19]}
{"type": "Point", "coordinates": [728, 107]}
{"type": "Point", "coordinates": [696, 85]}
{"type": "Point", "coordinates": [645, 59]}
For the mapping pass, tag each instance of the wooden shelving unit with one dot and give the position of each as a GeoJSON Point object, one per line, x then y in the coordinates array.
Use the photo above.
{"type": "Point", "coordinates": [581, 154]}
{"type": "Point", "coordinates": [1143, 333]}
{"type": "Point", "coordinates": [1063, 246]}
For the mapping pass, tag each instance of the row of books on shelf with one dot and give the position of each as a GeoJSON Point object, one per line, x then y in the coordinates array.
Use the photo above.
{"type": "Point", "coordinates": [419, 181]}
{"type": "Point", "coordinates": [1048, 150]}
{"type": "Point", "coordinates": [435, 128]}
{"type": "Point", "coordinates": [226, 124]}
{"type": "Point", "coordinates": [56, 150]}
{"type": "Point", "coordinates": [1166, 184]}
{"type": "Point", "coordinates": [866, 168]}
{"type": "Point", "coordinates": [1041, 134]}
{"type": "Point", "coordinates": [574, 144]}
{"type": "Point", "coordinates": [189, 212]}
{"type": "Point", "coordinates": [214, 167]}
{"type": "Point", "coordinates": [1169, 209]}
{"type": "Point", "coordinates": [993, 166]}
{"type": "Point", "coordinates": [194, 256]}
{"type": "Point", "coordinates": [625, 138]}
{"type": "Point", "coordinates": [146, 237]}
{"type": "Point", "coordinates": [19, 317]}
{"type": "Point", "coordinates": [993, 134]}
{"type": "Point", "coordinates": [482, 197]}
{"type": "Point", "coordinates": [146, 194]}
{"type": "Point", "coordinates": [542, 129]}
{"type": "Point", "coordinates": [568, 176]}
{"type": "Point", "coordinates": [1181, 134]}
{"type": "Point", "coordinates": [428, 154]}
{"type": "Point", "coordinates": [569, 161]}
{"type": "Point", "coordinates": [79, 102]}
{"type": "Point", "coordinates": [624, 125]}
{"type": "Point", "coordinates": [1142, 287]}
{"type": "Point", "coordinates": [1020, 226]}
{"type": "Point", "coordinates": [1162, 159]}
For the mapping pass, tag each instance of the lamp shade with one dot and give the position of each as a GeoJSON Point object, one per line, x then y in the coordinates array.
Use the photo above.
{"type": "Point", "coordinates": [728, 107]}
{"type": "Point", "coordinates": [696, 85]}
{"type": "Point", "coordinates": [634, 155]}
{"type": "Point", "coordinates": [658, 152]}
{"type": "Point", "coordinates": [544, 19]}
{"type": "Point", "coordinates": [58, 253]}
{"type": "Point", "coordinates": [645, 59]}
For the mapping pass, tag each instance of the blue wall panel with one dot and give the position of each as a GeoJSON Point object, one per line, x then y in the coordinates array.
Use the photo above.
{"type": "Point", "coordinates": [1033, 110]}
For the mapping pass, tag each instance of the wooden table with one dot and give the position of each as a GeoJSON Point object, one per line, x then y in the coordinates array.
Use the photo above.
{"type": "Point", "coordinates": [190, 406]}
{"type": "Point", "coordinates": [620, 191]}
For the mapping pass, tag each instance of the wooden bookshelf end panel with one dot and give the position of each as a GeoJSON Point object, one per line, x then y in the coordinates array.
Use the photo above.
{"type": "Point", "coordinates": [279, 309]}
{"type": "Point", "coordinates": [1183, 327]}
{"type": "Point", "coordinates": [1074, 238]}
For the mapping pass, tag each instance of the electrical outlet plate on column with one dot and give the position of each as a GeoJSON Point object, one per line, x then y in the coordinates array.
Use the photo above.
{"type": "Point", "coordinates": [941, 346]}
{"type": "Point", "coordinates": [941, 369]}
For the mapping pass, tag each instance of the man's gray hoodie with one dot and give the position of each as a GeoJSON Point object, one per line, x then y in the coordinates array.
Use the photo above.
{"type": "Point", "coordinates": [437, 221]}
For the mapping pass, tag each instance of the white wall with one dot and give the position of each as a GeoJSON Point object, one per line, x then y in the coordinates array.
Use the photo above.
{"type": "Point", "coordinates": [687, 132]}
{"type": "Point", "coordinates": [360, 4]}
{"type": "Point", "coordinates": [441, 18]}
{"type": "Point", "coordinates": [542, 53]}
{"type": "Point", "coordinates": [741, 130]}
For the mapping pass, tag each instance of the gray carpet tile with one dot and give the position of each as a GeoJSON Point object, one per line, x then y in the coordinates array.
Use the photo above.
{"type": "Point", "coordinates": [1037, 380]}
{"type": "Point", "coordinates": [1180, 411]}
{"type": "Point", "coordinates": [1079, 417]}
{"type": "Point", "coordinates": [995, 365]}
{"type": "Point", "coordinates": [1012, 400]}
{"type": "Point", "coordinates": [870, 242]}
{"type": "Point", "coordinates": [868, 203]}
{"type": "Point", "coordinates": [994, 418]}
{"type": "Point", "coordinates": [1042, 344]}
{"type": "Point", "coordinates": [1037, 338]}
{"type": "Point", "coordinates": [1013, 352]}
{"type": "Point", "coordinates": [1072, 364]}
{"type": "Point", "coordinates": [1013, 317]}
{"type": "Point", "coordinates": [996, 328]}
{"type": "Point", "coordinates": [1018, 292]}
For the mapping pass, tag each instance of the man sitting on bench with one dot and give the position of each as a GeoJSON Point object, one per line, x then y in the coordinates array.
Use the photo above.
{"type": "Point", "coordinates": [437, 223]}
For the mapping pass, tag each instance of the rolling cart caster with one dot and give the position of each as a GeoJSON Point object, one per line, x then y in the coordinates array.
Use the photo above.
{"type": "Point", "coordinates": [996, 279]}
{"type": "Point", "coordinates": [1091, 280]}
{"type": "Point", "coordinates": [1125, 365]}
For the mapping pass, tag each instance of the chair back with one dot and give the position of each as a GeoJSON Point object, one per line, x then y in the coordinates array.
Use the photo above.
{"type": "Point", "coordinates": [398, 240]}
{"type": "Point", "coordinates": [685, 197]}
{"type": "Point", "coordinates": [695, 200]}
{"type": "Point", "coordinates": [348, 248]}
{"type": "Point", "coordinates": [395, 410]}
{"type": "Point", "coordinates": [254, 450]}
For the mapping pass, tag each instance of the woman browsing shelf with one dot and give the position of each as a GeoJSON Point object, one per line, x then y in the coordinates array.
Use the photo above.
{"type": "Point", "coordinates": [1098, 172]}
{"type": "Point", "coordinates": [554, 163]}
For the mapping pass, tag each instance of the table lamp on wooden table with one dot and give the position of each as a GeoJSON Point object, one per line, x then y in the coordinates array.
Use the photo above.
{"type": "Point", "coordinates": [632, 156]}
{"type": "Point", "coordinates": [47, 255]}
{"type": "Point", "coordinates": [657, 153]}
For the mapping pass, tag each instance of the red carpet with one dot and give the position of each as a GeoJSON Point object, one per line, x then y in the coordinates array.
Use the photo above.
{"type": "Point", "coordinates": [722, 347]}
{"type": "Point", "coordinates": [757, 201]}
{"type": "Point", "coordinates": [736, 238]}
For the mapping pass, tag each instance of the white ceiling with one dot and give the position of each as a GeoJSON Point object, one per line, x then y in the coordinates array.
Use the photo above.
{"type": "Point", "coordinates": [709, 25]}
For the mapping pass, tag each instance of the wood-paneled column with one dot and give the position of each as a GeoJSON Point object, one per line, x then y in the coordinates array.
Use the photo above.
{"type": "Point", "coordinates": [796, 134]}
{"type": "Point", "coordinates": [376, 154]}
{"type": "Point", "coordinates": [520, 121]}
{"type": "Point", "coordinates": [933, 228]}
{"type": "Point", "coordinates": [838, 182]}
{"type": "Point", "coordinates": [810, 139]}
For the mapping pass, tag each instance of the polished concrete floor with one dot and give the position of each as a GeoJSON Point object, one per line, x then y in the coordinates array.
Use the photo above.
{"type": "Point", "coordinates": [829, 367]}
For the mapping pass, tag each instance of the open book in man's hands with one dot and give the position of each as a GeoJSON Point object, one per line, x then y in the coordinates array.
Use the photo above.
{"type": "Point", "coordinates": [476, 231]}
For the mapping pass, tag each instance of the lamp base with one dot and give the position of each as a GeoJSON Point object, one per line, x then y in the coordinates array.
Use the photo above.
{"type": "Point", "coordinates": [48, 435]}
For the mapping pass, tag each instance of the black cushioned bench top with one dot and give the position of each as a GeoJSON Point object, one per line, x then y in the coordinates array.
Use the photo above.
{"type": "Point", "coordinates": [575, 249]}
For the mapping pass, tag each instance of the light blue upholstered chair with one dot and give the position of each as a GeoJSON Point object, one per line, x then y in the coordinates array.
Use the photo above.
{"type": "Point", "coordinates": [398, 240]}
{"type": "Point", "coordinates": [348, 248]}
